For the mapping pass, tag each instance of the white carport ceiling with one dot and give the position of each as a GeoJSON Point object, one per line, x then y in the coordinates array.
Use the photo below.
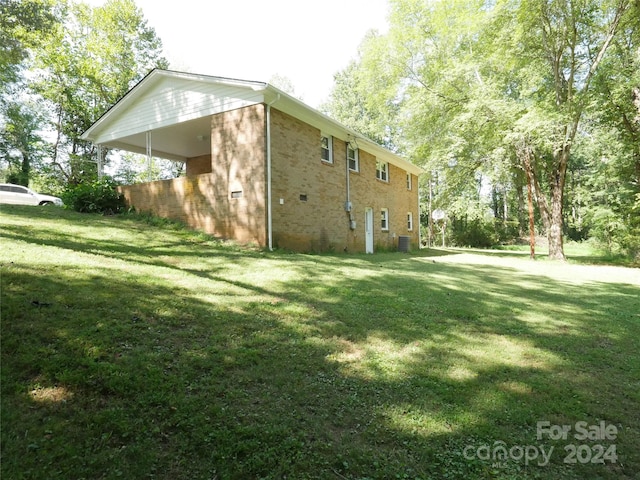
{"type": "Point", "coordinates": [175, 142]}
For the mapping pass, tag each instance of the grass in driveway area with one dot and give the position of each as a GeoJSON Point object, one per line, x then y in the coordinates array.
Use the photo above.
{"type": "Point", "coordinates": [134, 350]}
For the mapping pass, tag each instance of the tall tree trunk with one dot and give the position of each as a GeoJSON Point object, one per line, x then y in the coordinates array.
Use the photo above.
{"type": "Point", "coordinates": [25, 167]}
{"type": "Point", "coordinates": [556, 224]}
{"type": "Point", "coordinates": [525, 154]}
{"type": "Point", "coordinates": [494, 202]}
{"type": "Point", "coordinates": [554, 234]}
{"type": "Point", "coordinates": [56, 146]}
{"type": "Point", "coordinates": [505, 206]}
{"type": "Point", "coordinates": [532, 225]}
{"type": "Point", "coordinates": [566, 99]}
{"type": "Point", "coordinates": [520, 202]}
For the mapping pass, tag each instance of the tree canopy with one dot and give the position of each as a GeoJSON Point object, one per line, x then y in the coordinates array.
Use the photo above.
{"type": "Point", "coordinates": [491, 95]}
{"type": "Point", "coordinates": [91, 57]}
{"type": "Point", "coordinates": [24, 24]}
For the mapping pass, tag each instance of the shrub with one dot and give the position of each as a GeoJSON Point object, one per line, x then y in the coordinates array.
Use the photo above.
{"type": "Point", "coordinates": [477, 233]}
{"type": "Point", "coordinates": [507, 232]}
{"type": "Point", "coordinates": [100, 196]}
{"type": "Point", "coordinates": [18, 178]}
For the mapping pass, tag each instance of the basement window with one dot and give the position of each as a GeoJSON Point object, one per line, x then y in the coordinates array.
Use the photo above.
{"type": "Point", "coordinates": [236, 194]}
{"type": "Point", "coordinates": [384, 219]}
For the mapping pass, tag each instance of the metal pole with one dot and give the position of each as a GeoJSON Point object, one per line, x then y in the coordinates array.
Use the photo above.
{"type": "Point", "coordinates": [430, 223]}
{"type": "Point", "coordinates": [444, 227]}
{"type": "Point", "coordinates": [99, 147]}
{"type": "Point", "coordinates": [149, 157]}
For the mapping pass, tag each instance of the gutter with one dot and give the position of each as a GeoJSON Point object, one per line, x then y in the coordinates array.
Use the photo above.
{"type": "Point", "coordinates": [348, 207]}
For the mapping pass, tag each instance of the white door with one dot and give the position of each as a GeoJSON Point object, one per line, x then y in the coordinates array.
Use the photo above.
{"type": "Point", "coordinates": [368, 229]}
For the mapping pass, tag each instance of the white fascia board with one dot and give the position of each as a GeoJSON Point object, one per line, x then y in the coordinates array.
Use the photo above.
{"type": "Point", "coordinates": [129, 97]}
{"type": "Point", "coordinates": [254, 85]}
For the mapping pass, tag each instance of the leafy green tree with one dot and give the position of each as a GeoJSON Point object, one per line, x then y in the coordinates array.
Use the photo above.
{"type": "Point", "coordinates": [21, 145]}
{"type": "Point", "coordinates": [93, 59]}
{"type": "Point", "coordinates": [452, 114]}
{"type": "Point", "coordinates": [362, 97]}
{"type": "Point", "coordinates": [135, 168]}
{"type": "Point", "coordinates": [285, 84]}
{"type": "Point", "coordinates": [493, 87]}
{"type": "Point", "coordinates": [559, 47]}
{"type": "Point", "coordinates": [23, 25]}
{"type": "Point", "coordinates": [612, 205]}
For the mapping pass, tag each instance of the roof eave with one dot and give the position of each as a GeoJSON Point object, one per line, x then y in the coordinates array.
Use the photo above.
{"type": "Point", "coordinates": [273, 95]}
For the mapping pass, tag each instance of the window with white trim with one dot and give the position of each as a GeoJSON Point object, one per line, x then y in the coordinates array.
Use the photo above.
{"type": "Point", "coordinates": [408, 181]}
{"type": "Point", "coordinates": [409, 221]}
{"type": "Point", "coordinates": [382, 171]}
{"type": "Point", "coordinates": [384, 219]}
{"type": "Point", "coordinates": [352, 158]}
{"type": "Point", "coordinates": [326, 148]}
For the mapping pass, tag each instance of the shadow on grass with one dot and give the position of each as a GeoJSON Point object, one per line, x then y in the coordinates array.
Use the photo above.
{"type": "Point", "coordinates": [575, 253]}
{"type": "Point", "coordinates": [356, 367]}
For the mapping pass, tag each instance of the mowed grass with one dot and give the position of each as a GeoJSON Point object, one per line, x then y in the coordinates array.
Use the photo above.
{"type": "Point", "coordinates": [138, 349]}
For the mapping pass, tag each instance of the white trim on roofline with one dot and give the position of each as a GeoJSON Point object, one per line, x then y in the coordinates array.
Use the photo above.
{"type": "Point", "coordinates": [326, 124]}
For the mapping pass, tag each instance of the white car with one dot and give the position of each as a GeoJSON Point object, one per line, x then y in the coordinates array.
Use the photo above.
{"type": "Point", "coordinates": [19, 195]}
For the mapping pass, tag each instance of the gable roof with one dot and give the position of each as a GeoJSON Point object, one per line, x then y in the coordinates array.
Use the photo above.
{"type": "Point", "coordinates": [176, 108]}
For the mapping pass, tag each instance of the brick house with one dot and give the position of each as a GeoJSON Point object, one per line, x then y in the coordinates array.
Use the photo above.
{"type": "Point", "coordinates": [261, 166]}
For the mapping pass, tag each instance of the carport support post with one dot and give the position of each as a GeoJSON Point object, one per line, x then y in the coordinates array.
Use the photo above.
{"type": "Point", "coordinates": [99, 150]}
{"type": "Point", "coordinates": [149, 174]}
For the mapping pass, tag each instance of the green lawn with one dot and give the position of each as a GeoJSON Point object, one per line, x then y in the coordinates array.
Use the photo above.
{"type": "Point", "coordinates": [137, 349]}
{"type": "Point", "coordinates": [578, 252]}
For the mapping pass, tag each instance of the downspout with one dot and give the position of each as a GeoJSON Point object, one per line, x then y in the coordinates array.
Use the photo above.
{"type": "Point", "coordinates": [269, 213]}
{"type": "Point", "coordinates": [348, 206]}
